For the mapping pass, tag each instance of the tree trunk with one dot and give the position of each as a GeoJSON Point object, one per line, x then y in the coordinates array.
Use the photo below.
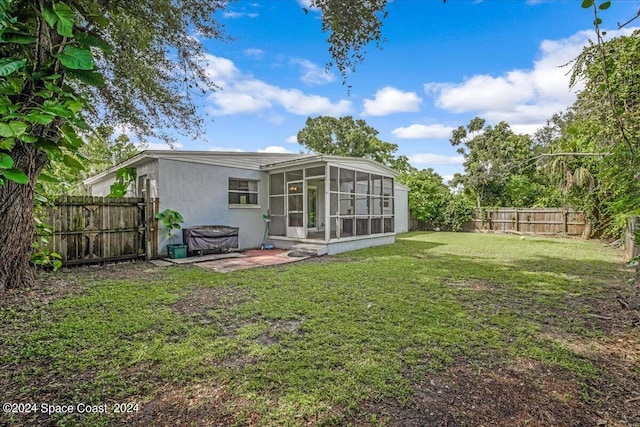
{"type": "Point", "coordinates": [588, 229]}
{"type": "Point", "coordinates": [17, 227]}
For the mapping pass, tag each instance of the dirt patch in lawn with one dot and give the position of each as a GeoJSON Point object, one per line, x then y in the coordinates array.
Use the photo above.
{"type": "Point", "coordinates": [50, 286]}
{"type": "Point", "coordinates": [198, 404]}
{"type": "Point", "coordinates": [132, 270]}
{"type": "Point", "coordinates": [47, 287]}
{"type": "Point", "coordinates": [473, 285]}
{"type": "Point", "coordinates": [466, 395]}
{"type": "Point", "coordinates": [277, 328]}
{"type": "Point", "coordinates": [201, 303]}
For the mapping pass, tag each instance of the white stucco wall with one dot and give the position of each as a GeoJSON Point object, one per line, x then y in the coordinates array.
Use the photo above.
{"type": "Point", "coordinates": [200, 193]}
{"type": "Point", "coordinates": [150, 171]}
{"type": "Point", "coordinates": [103, 187]}
{"type": "Point", "coordinates": [402, 209]}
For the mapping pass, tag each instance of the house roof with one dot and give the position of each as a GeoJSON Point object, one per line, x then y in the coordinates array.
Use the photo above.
{"type": "Point", "coordinates": [243, 160]}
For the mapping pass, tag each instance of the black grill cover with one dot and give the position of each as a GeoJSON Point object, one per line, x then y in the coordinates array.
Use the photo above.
{"type": "Point", "coordinates": [205, 237]}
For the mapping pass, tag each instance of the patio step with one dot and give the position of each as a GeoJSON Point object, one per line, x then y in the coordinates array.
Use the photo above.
{"type": "Point", "coordinates": [308, 249]}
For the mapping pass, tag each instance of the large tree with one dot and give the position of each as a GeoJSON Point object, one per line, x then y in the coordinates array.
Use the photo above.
{"type": "Point", "coordinates": [593, 151]}
{"type": "Point", "coordinates": [70, 64]}
{"type": "Point", "coordinates": [345, 136]}
{"type": "Point", "coordinates": [492, 154]}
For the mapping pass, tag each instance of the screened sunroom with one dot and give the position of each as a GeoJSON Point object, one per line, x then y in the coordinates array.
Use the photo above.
{"type": "Point", "coordinates": [335, 203]}
{"type": "Point", "coordinates": [331, 201]}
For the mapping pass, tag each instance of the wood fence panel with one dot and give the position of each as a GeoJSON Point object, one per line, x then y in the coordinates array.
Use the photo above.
{"type": "Point", "coordinates": [90, 229]}
{"type": "Point", "coordinates": [544, 221]}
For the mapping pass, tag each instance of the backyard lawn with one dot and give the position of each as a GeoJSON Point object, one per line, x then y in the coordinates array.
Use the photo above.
{"type": "Point", "coordinates": [438, 329]}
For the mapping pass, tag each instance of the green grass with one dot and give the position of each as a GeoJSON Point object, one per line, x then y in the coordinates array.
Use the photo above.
{"type": "Point", "coordinates": [312, 341]}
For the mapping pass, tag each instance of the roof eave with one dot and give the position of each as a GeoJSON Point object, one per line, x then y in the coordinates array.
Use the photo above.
{"type": "Point", "coordinates": [138, 158]}
{"type": "Point", "coordinates": [327, 158]}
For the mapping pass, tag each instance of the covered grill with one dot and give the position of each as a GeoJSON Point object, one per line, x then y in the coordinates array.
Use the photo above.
{"type": "Point", "coordinates": [203, 238]}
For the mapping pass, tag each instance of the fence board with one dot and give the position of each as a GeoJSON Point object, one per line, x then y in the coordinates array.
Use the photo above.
{"type": "Point", "coordinates": [91, 229]}
{"type": "Point", "coordinates": [546, 221]}
{"type": "Point", "coordinates": [528, 220]}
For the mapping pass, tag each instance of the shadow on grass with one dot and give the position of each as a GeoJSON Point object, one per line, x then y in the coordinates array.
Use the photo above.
{"type": "Point", "coordinates": [311, 338]}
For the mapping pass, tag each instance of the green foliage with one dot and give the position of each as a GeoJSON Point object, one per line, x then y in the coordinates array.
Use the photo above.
{"type": "Point", "coordinates": [124, 178]}
{"type": "Point", "coordinates": [171, 220]}
{"type": "Point", "coordinates": [348, 137]}
{"type": "Point", "coordinates": [352, 26]}
{"type": "Point", "coordinates": [428, 196]}
{"type": "Point", "coordinates": [459, 210]}
{"type": "Point", "coordinates": [76, 59]}
{"type": "Point", "coordinates": [604, 122]}
{"type": "Point", "coordinates": [50, 120]}
{"type": "Point", "coordinates": [42, 256]}
{"type": "Point", "coordinates": [492, 154]}
{"type": "Point", "coordinates": [100, 152]}
{"type": "Point", "coordinates": [103, 149]}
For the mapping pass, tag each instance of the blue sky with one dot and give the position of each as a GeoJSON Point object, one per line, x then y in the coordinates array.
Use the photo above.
{"type": "Point", "coordinates": [441, 65]}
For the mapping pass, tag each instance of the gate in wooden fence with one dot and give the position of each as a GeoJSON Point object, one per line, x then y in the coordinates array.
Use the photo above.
{"type": "Point", "coordinates": [631, 246]}
{"type": "Point", "coordinates": [98, 229]}
{"type": "Point", "coordinates": [549, 221]}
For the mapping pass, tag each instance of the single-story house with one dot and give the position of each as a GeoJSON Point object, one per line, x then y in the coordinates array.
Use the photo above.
{"type": "Point", "coordinates": [342, 203]}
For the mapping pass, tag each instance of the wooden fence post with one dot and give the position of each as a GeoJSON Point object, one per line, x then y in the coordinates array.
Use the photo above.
{"type": "Point", "coordinates": [147, 221]}
{"type": "Point", "coordinates": [517, 220]}
{"type": "Point", "coordinates": [154, 230]}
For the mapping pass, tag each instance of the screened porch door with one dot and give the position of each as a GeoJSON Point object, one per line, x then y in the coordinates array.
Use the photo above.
{"type": "Point", "coordinates": [312, 208]}
{"type": "Point", "coordinates": [295, 209]}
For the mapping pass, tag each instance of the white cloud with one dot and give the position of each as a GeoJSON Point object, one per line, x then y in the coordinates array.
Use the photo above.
{"type": "Point", "coordinates": [243, 94]}
{"type": "Point", "coordinates": [220, 70]}
{"type": "Point", "coordinates": [293, 139]}
{"type": "Point", "coordinates": [252, 96]}
{"type": "Point", "coordinates": [524, 98]}
{"type": "Point", "coordinates": [435, 159]}
{"type": "Point", "coordinates": [274, 149]}
{"type": "Point", "coordinates": [254, 53]}
{"type": "Point", "coordinates": [237, 103]}
{"type": "Point", "coordinates": [527, 129]}
{"type": "Point", "coordinates": [418, 131]}
{"type": "Point", "coordinates": [485, 92]}
{"type": "Point", "coordinates": [313, 74]}
{"type": "Point", "coordinates": [233, 15]}
{"type": "Point", "coordinates": [447, 178]}
{"type": "Point", "coordinates": [389, 100]}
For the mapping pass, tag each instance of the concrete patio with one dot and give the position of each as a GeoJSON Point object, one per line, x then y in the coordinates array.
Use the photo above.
{"type": "Point", "coordinates": [233, 261]}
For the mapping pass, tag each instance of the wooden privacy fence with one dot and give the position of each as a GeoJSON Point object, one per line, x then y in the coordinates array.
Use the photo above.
{"type": "Point", "coordinates": [97, 229]}
{"type": "Point", "coordinates": [550, 221]}
{"type": "Point", "coordinates": [631, 246]}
